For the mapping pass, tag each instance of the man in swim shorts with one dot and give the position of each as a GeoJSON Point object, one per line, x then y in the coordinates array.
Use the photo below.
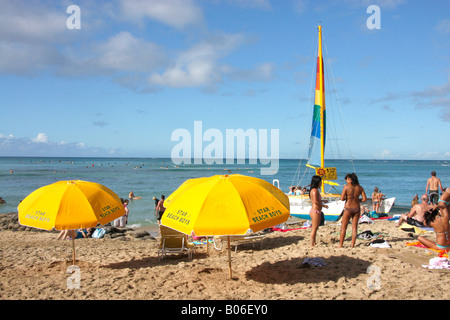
{"type": "Point", "coordinates": [433, 185]}
{"type": "Point", "coordinates": [160, 209]}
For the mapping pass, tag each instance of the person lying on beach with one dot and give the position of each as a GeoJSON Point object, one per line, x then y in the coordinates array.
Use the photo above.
{"type": "Point", "coordinates": [433, 219]}
{"type": "Point", "coordinates": [351, 193]}
{"type": "Point", "coordinates": [80, 233]}
{"type": "Point", "coordinates": [416, 216]}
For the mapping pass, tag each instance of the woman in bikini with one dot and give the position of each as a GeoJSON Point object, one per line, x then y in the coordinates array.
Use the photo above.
{"type": "Point", "coordinates": [443, 205]}
{"type": "Point", "coordinates": [316, 209]}
{"type": "Point", "coordinates": [351, 193]}
{"type": "Point", "coordinates": [376, 199]}
{"type": "Point", "coordinates": [433, 219]}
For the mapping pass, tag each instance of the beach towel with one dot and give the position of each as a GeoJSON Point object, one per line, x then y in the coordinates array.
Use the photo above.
{"type": "Point", "coordinates": [417, 260]}
{"type": "Point", "coordinates": [285, 230]}
{"type": "Point", "coordinates": [380, 218]}
{"type": "Point", "coordinates": [369, 235]}
{"type": "Point", "coordinates": [99, 233]}
{"type": "Point", "coordinates": [365, 219]}
{"type": "Point", "coordinates": [313, 262]}
{"type": "Point", "coordinates": [437, 263]}
{"type": "Point", "coordinates": [417, 230]}
{"type": "Point", "coordinates": [441, 253]}
{"type": "Point", "coordinates": [202, 241]}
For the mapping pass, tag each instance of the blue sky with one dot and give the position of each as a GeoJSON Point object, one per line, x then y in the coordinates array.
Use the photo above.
{"type": "Point", "coordinates": [138, 70]}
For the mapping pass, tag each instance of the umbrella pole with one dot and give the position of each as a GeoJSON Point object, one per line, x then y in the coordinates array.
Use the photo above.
{"type": "Point", "coordinates": [73, 248]}
{"type": "Point", "coordinates": [229, 256]}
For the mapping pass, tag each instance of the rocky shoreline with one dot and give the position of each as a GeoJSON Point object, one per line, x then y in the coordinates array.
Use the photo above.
{"type": "Point", "coordinates": [10, 221]}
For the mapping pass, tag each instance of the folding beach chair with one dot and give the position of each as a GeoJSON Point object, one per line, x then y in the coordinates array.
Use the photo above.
{"type": "Point", "coordinates": [173, 241]}
{"type": "Point", "coordinates": [237, 240]}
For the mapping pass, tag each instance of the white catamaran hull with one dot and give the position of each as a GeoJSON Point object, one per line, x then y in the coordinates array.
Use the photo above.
{"type": "Point", "coordinates": [386, 205]}
{"type": "Point", "coordinates": [300, 207]}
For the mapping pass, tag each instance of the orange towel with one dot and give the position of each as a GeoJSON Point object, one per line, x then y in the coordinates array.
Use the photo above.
{"type": "Point", "coordinates": [441, 253]}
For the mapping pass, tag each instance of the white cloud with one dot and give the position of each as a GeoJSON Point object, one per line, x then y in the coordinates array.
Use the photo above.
{"type": "Point", "coordinates": [34, 38]}
{"type": "Point", "coordinates": [24, 58]}
{"type": "Point", "coordinates": [435, 155]}
{"type": "Point", "coordinates": [198, 66]}
{"type": "Point", "coordinates": [258, 4]}
{"type": "Point", "coordinates": [123, 52]}
{"type": "Point", "coordinates": [42, 146]}
{"type": "Point", "coordinates": [386, 154]}
{"type": "Point", "coordinates": [31, 22]}
{"type": "Point", "coordinates": [174, 13]}
{"type": "Point", "coordinates": [437, 96]}
{"type": "Point", "coordinates": [262, 72]}
{"type": "Point", "coordinates": [41, 138]}
{"type": "Point", "coordinates": [388, 4]}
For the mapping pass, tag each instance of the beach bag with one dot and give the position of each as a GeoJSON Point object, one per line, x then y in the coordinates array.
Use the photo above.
{"type": "Point", "coordinates": [373, 214]}
{"type": "Point", "coordinates": [99, 233]}
{"type": "Point", "coordinates": [379, 243]}
{"type": "Point", "coordinates": [366, 235]}
{"type": "Point", "coordinates": [365, 219]}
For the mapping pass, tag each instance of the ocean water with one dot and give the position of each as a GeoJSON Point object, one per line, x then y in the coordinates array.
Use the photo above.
{"type": "Point", "coordinates": [150, 178]}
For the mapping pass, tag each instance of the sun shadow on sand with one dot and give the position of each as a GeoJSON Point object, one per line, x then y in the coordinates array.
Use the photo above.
{"type": "Point", "coordinates": [291, 271]}
{"type": "Point", "coordinates": [152, 262]}
{"type": "Point", "coordinates": [278, 242]}
{"type": "Point", "coordinates": [270, 243]}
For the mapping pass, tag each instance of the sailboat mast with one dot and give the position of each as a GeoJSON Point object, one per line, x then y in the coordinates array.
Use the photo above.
{"type": "Point", "coordinates": [321, 87]}
{"type": "Point", "coordinates": [322, 99]}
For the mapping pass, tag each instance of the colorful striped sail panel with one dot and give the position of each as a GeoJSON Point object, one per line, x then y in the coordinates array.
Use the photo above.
{"type": "Point", "coordinates": [317, 140]}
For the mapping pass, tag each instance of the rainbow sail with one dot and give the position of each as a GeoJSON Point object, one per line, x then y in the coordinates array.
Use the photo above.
{"type": "Point", "coordinates": [317, 140]}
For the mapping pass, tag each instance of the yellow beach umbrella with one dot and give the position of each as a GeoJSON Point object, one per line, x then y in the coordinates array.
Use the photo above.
{"type": "Point", "coordinates": [225, 205]}
{"type": "Point", "coordinates": [70, 205]}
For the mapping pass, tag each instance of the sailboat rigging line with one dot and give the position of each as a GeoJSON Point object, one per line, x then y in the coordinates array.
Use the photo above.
{"type": "Point", "coordinates": [296, 180]}
{"type": "Point", "coordinates": [339, 106]}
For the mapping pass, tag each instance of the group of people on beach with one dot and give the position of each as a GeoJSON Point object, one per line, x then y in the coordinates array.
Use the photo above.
{"type": "Point", "coordinates": [293, 190]}
{"type": "Point", "coordinates": [437, 215]}
{"type": "Point", "coordinates": [351, 194]}
{"type": "Point", "coordinates": [120, 222]}
{"type": "Point", "coordinates": [433, 214]}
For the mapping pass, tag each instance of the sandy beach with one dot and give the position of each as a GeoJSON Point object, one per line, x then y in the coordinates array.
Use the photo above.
{"type": "Point", "coordinates": [33, 265]}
